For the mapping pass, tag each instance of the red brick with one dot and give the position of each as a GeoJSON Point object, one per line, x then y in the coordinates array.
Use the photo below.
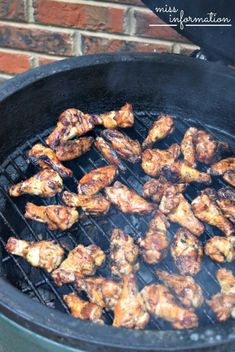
{"type": "Point", "coordinates": [95, 18]}
{"type": "Point", "coordinates": [12, 10]}
{"type": "Point", "coordinates": [127, 2]}
{"type": "Point", "coordinates": [45, 61]}
{"type": "Point", "coordinates": [12, 63]}
{"type": "Point", "coordinates": [92, 45]}
{"type": "Point", "coordinates": [37, 40]}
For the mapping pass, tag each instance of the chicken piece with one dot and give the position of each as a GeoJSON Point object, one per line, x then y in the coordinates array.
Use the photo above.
{"type": "Point", "coordinates": [130, 311]}
{"type": "Point", "coordinates": [221, 249]}
{"type": "Point", "coordinates": [109, 153]}
{"type": "Point", "coordinates": [97, 179]}
{"type": "Point", "coordinates": [57, 217]}
{"type": "Point", "coordinates": [123, 254]}
{"type": "Point", "coordinates": [101, 291]}
{"type": "Point", "coordinates": [83, 310]}
{"type": "Point", "coordinates": [121, 118]}
{"type": "Point", "coordinates": [161, 128]}
{"type": "Point", "coordinates": [178, 210]}
{"type": "Point", "coordinates": [46, 158]}
{"type": "Point", "coordinates": [229, 177]}
{"type": "Point", "coordinates": [124, 146]}
{"type": "Point", "coordinates": [226, 280]}
{"type": "Point", "coordinates": [42, 254]}
{"type": "Point", "coordinates": [223, 305]}
{"type": "Point", "coordinates": [95, 204]}
{"type": "Point", "coordinates": [155, 244]}
{"type": "Point", "coordinates": [155, 188]}
{"type": "Point", "coordinates": [47, 183]}
{"type": "Point", "coordinates": [187, 252]}
{"type": "Point", "coordinates": [206, 209]}
{"type": "Point", "coordinates": [226, 201]}
{"type": "Point", "coordinates": [188, 148]}
{"type": "Point", "coordinates": [81, 261]}
{"type": "Point", "coordinates": [224, 167]}
{"type": "Point", "coordinates": [127, 199]}
{"type": "Point", "coordinates": [73, 149]}
{"type": "Point", "coordinates": [154, 160]}
{"type": "Point", "coordinates": [160, 302]}
{"type": "Point", "coordinates": [71, 123]}
{"type": "Point", "coordinates": [181, 172]}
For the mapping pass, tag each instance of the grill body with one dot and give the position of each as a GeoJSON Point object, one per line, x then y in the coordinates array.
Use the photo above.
{"type": "Point", "coordinates": [196, 93]}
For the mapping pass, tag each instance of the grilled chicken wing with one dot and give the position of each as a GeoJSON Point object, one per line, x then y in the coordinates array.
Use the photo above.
{"type": "Point", "coordinates": [185, 287]}
{"type": "Point", "coordinates": [101, 291]}
{"type": "Point", "coordinates": [155, 188]}
{"type": "Point", "coordinates": [123, 254]}
{"type": "Point", "coordinates": [71, 123]}
{"type": "Point", "coordinates": [43, 254]}
{"type": "Point", "coordinates": [188, 148]}
{"type": "Point", "coordinates": [187, 252]}
{"type": "Point", "coordinates": [95, 204]}
{"type": "Point", "coordinates": [178, 210]}
{"type": "Point", "coordinates": [121, 118]}
{"type": "Point", "coordinates": [160, 302]}
{"type": "Point", "coordinates": [73, 149]}
{"type": "Point", "coordinates": [226, 201]}
{"type": "Point", "coordinates": [155, 244]}
{"type": "Point", "coordinates": [124, 146]}
{"type": "Point", "coordinates": [225, 167]}
{"type": "Point", "coordinates": [57, 217]}
{"type": "Point", "coordinates": [226, 280]}
{"type": "Point", "coordinates": [46, 158]}
{"type": "Point", "coordinates": [130, 311]}
{"type": "Point", "coordinates": [161, 128]}
{"type": "Point", "coordinates": [154, 160]}
{"type": "Point", "coordinates": [221, 249]}
{"type": "Point", "coordinates": [109, 153]}
{"type": "Point", "coordinates": [97, 179]}
{"type": "Point", "coordinates": [206, 209]}
{"type": "Point", "coordinates": [47, 183]}
{"type": "Point", "coordinates": [81, 261]}
{"type": "Point", "coordinates": [229, 177]}
{"type": "Point", "coordinates": [82, 309]}
{"type": "Point", "coordinates": [127, 199]}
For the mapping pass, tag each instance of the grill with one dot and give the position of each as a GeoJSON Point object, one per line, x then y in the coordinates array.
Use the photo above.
{"type": "Point", "coordinates": [37, 283]}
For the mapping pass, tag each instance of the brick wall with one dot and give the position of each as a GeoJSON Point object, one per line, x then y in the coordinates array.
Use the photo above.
{"type": "Point", "coordinates": [37, 32]}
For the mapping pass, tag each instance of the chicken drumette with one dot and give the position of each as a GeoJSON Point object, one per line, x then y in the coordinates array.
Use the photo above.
{"type": "Point", "coordinates": [130, 311]}
{"type": "Point", "coordinates": [46, 158]}
{"type": "Point", "coordinates": [187, 252]}
{"type": "Point", "coordinates": [229, 177]}
{"type": "Point", "coordinates": [57, 217]}
{"type": "Point", "coordinates": [43, 254]}
{"type": "Point", "coordinates": [81, 261]}
{"type": "Point", "coordinates": [160, 302]}
{"type": "Point", "coordinates": [161, 128]}
{"type": "Point", "coordinates": [226, 280]}
{"type": "Point", "coordinates": [188, 148]}
{"type": "Point", "coordinates": [46, 183]}
{"type": "Point", "coordinates": [155, 244]}
{"type": "Point", "coordinates": [226, 201]}
{"type": "Point", "coordinates": [226, 168]}
{"type": "Point", "coordinates": [117, 118]}
{"type": "Point", "coordinates": [73, 149]}
{"type": "Point", "coordinates": [71, 123]}
{"type": "Point", "coordinates": [127, 199]}
{"type": "Point", "coordinates": [109, 153]}
{"type": "Point", "coordinates": [185, 287]}
{"type": "Point", "coordinates": [97, 179]}
{"type": "Point", "coordinates": [123, 254]}
{"type": "Point", "coordinates": [221, 249]}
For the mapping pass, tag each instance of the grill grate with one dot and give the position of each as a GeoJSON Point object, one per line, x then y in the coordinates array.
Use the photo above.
{"type": "Point", "coordinates": [37, 283]}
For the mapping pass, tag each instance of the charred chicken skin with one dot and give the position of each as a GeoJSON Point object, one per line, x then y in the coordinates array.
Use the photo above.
{"type": "Point", "coordinates": [46, 158]}
{"type": "Point", "coordinates": [57, 217]}
{"type": "Point", "coordinates": [73, 149]}
{"type": "Point", "coordinates": [188, 148]}
{"type": "Point", "coordinates": [187, 290]}
{"type": "Point", "coordinates": [226, 201]}
{"type": "Point", "coordinates": [123, 254]}
{"type": "Point", "coordinates": [81, 261]}
{"type": "Point", "coordinates": [121, 118]}
{"type": "Point", "coordinates": [43, 254]}
{"type": "Point", "coordinates": [161, 128]}
{"type": "Point", "coordinates": [155, 244]}
{"type": "Point", "coordinates": [226, 168]}
{"type": "Point", "coordinates": [124, 146]}
{"type": "Point", "coordinates": [101, 291]}
{"type": "Point", "coordinates": [187, 252]}
{"type": "Point", "coordinates": [109, 153]}
{"type": "Point", "coordinates": [229, 177]}
{"type": "Point", "coordinates": [97, 179]}
{"type": "Point", "coordinates": [221, 249]}
{"type": "Point", "coordinates": [154, 160]}
{"type": "Point", "coordinates": [127, 199]}
{"type": "Point", "coordinates": [160, 302]}
{"type": "Point", "coordinates": [46, 183]}
{"type": "Point", "coordinates": [71, 123]}
{"type": "Point", "coordinates": [130, 311]}
{"type": "Point", "coordinates": [83, 310]}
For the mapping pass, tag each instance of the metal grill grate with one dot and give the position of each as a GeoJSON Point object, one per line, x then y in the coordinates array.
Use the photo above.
{"type": "Point", "coordinates": [37, 283]}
